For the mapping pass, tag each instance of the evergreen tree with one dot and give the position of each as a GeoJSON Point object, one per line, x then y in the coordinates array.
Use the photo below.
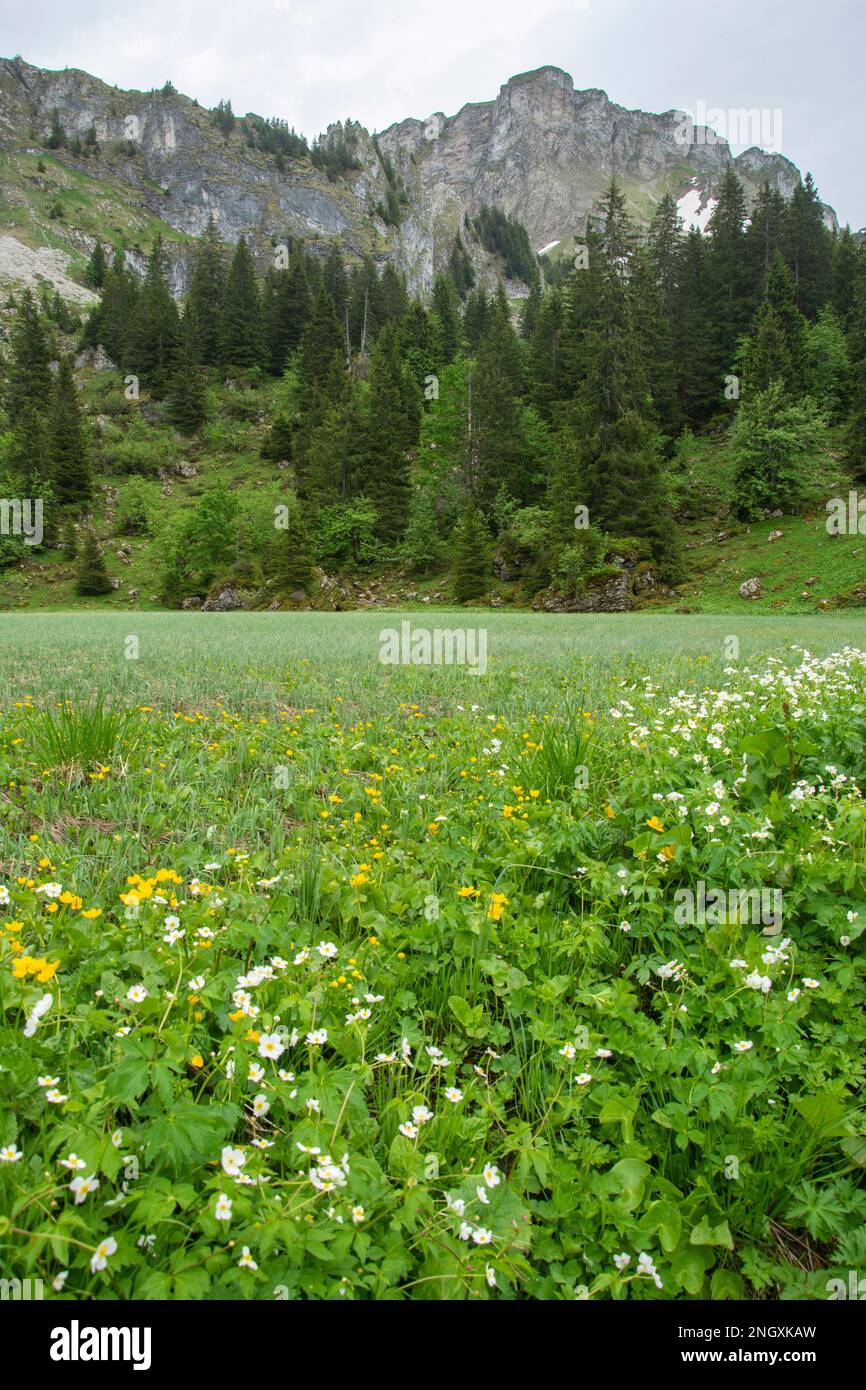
{"type": "Point", "coordinates": [29, 379]}
{"type": "Point", "coordinates": [187, 402]}
{"type": "Point", "coordinates": [70, 460]}
{"type": "Point", "coordinates": [475, 318]}
{"type": "Point", "coordinates": [699, 389]}
{"type": "Point", "coordinates": [731, 300]}
{"type": "Point", "coordinates": [765, 235]}
{"type": "Point", "coordinates": [446, 318]}
{"type": "Point", "coordinates": [471, 574]}
{"type": "Point", "coordinates": [241, 339]}
{"type": "Point", "coordinates": [206, 291]}
{"type": "Point", "coordinates": [322, 350]}
{"type": "Point", "coordinates": [97, 267]}
{"type": "Point", "coordinates": [808, 248]}
{"type": "Point", "coordinates": [545, 369]}
{"type": "Point", "coordinates": [773, 441]}
{"type": "Point", "coordinates": [111, 320]}
{"type": "Point", "coordinates": [69, 541]}
{"type": "Point", "coordinates": [92, 576]}
{"type": "Point", "coordinates": [154, 330]}
{"type": "Point", "coordinates": [286, 309]}
{"type": "Point", "coordinates": [387, 437]}
{"type": "Point", "coordinates": [847, 256]}
{"type": "Point", "coordinates": [777, 347]}
{"type": "Point", "coordinates": [294, 569]}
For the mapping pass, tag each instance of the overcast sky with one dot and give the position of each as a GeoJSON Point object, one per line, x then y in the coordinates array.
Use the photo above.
{"type": "Point", "coordinates": [314, 61]}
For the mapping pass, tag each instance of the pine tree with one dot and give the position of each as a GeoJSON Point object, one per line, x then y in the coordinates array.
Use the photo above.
{"type": "Point", "coordinates": [206, 291]}
{"type": "Point", "coordinates": [154, 331]}
{"type": "Point", "coordinates": [765, 234]}
{"type": "Point", "coordinates": [847, 255]}
{"type": "Point", "coordinates": [731, 301]}
{"type": "Point", "coordinates": [111, 321]}
{"type": "Point", "coordinates": [70, 459]}
{"type": "Point", "coordinates": [241, 340]}
{"type": "Point", "coordinates": [471, 574]}
{"type": "Point", "coordinates": [29, 380]}
{"type": "Point", "coordinates": [92, 577]}
{"type": "Point", "coordinates": [699, 389]}
{"type": "Point", "coordinates": [186, 394]}
{"type": "Point", "coordinates": [322, 349]}
{"type": "Point", "coordinates": [499, 448]}
{"type": "Point", "coordinates": [475, 318]}
{"type": "Point", "coordinates": [69, 541]}
{"type": "Point", "coordinates": [547, 384]}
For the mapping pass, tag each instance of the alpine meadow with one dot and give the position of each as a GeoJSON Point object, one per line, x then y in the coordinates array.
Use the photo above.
{"type": "Point", "coordinates": [433, 668]}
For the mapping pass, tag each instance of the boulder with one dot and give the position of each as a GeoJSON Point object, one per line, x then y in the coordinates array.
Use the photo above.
{"type": "Point", "coordinates": [228, 600]}
{"type": "Point", "coordinates": [752, 588]}
{"type": "Point", "coordinates": [775, 535]}
{"type": "Point", "coordinates": [192, 602]}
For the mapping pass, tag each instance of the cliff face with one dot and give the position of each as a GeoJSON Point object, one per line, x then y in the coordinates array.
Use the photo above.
{"type": "Point", "coordinates": [540, 151]}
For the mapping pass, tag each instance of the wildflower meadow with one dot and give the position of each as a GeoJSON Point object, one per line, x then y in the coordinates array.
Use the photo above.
{"type": "Point", "coordinates": [324, 978]}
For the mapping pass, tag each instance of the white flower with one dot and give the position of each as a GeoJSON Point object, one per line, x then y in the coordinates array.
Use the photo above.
{"type": "Point", "coordinates": [625, 926]}
{"type": "Point", "coordinates": [73, 1163]}
{"type": "Point", "coordinates": [490, 1276]}
{"type": "Point", "coordinates": [59, 1280]}
{"type": "Point", "coordinates": [117, 1138]}
{"type": "Point", "coordinates": [4, 896]}
{"type": "Point", "coordinates": [603, 1052]}
{"type": "Point", "coordinates": [583, 1078]}
{"type": "Point", "coordinates": [481, 1236]}
{"type": "Point", "coordinates": [357, 1214]}
{"type": "Point", "coordinates": [100, 1256]}
{"type": "Point", "coordinates": [82, 1187]}
{"type": "Point", "coordinates": [171, 923]}
{"type": "Point", "coordinates": [409, 1130]}
{"type": "Point", "coordinates": [327, 950]}
{"type": "Point", "coordinates": [622, 1261]}
{"type": "Point", "coordinates": [51, 890]}
{"type": "Point", "coordinates": [455, 1204]}
{"type": "Point", "coordinates": [223, 1208]}
{"type": "Point", "coordinates": [47, 1080]}
{"type": "Point", "coordinates": [757, 981]}
{"type": "Point", "coordinates": [246, 1260]}
{"type": "Point", "coordinates": [491, 1175]}
{"type": "Point", "coordinates": [55, 1097]}
{"type": "Point", "coordinates": [852, 916]}
{"type": "Point", "coordinates": [569, 1052]}
{"type": "Point", "coordinates": [10, 1154]}
{"type": "Point", "coordinates": [715, 1068]}
{"type": "Point", "coordinates": [645, 1266]}
{"type": "Point", "coordinates": [465, 1230]}
{"type": "Point", "coordinates": [271, 1045]}
{"type": "Point", "coordinates": [809, 983]}
{"type": "Point", "coordinates": [742, 1046]}
{"type": "Point", "coordinates": [793, 995]}
{"type": "Point", "coordinates": [232, 1160]}
{"type": "Point", "coordinates": [420, 1114]}
{"type": "Point", "coordinates": [317, 1037]}
{"type": "Point", "coordinates": [261, 1106]}
{"type": "Point", "coordinates": [481, 1194]}
{"type": "Point", "coordinates": [453, 1093]}
{"type": "Point", "coordinates": [256, 1072]}
{"type": "Point", "coordinates": [136, 994]}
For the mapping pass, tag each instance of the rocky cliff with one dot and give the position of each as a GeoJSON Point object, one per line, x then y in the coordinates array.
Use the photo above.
{"type": "Point", "coordinates": [541, 151]}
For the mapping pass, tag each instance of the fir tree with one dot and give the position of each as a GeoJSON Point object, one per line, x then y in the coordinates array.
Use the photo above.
{"type": "Point", "coordinates": [286, 309]}
{"type": "Point", "coordinates": [808, 248]}
{"type": "Point", "coordinates": [92, 576]}
{"type": "Point", "coordinates": [97, 267]}
{"type": "Point", "coordinates": [446, 318]}
{"type": "Point", "coordinates": [777, 347]}
{"type": "Point", "coordinates": [387, 435]}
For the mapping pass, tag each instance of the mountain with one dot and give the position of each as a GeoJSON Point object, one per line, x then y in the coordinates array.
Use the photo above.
{"type": "Point", "coordinates": [126, 164]}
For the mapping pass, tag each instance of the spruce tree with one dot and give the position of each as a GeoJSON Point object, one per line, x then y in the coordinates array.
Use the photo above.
{"type": "Point", "coordinates": [206, 291]}
{"type": "Point", "coordinates": [241, 340]}
{"type": "Point", "coordinates": [808, 248]}
{"type": "Point", "coordinates": [285, 310]}
{"type": "Point", "coordinates": [732, 299]}
{"type": "Point", "coordinates": [92, 576]}
{"type": "Point", "coordinates": [70, 456]}
{"type": "Point", "coordinates": [97, 267]}
{"type": "Point", "coordinates": [111, 321]}
{"type": "Point", "coordinates": [29, 379]}
{"type": "Point", "coordinates": [187, 401]}
{"type": "Point", "coordinates": [387, 436]}
{"type": "Point", "coordinates": [776, 349]}
{"type": "Point", "coordinates": [294, 570]}
{"type": "Point", "coordinates": [154, 332]}
{"type": "Point", "coordinates": [471, 569]}
{"type": "Point", "coordinates": [446, 318]}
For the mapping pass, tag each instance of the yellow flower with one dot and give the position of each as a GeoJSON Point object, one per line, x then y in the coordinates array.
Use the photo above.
{"type": "Point", "coordinates": [13, 926]}
{"type": "Point", "coordinates": [497, 902]}
{"type": "Point", "coordinates": [357, 879]}
{"type": "Point", "coordinates": [655, 824]}
{"type": "Point", "coordinates": [48, 971]}
{"type": "Point", "coordinates": [197, 1060]}
{"type": "Point", "coordinates": [467, 892]}
{"type": "Point", "coordinates": [609, 812]}
{"type": "Point", "coordinates": [91, 912]}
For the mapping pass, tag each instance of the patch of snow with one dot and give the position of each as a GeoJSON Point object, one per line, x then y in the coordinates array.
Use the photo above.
{"type": "Point", "coordinates": [549, 247]}
{"type": "Point", "coordinates": [690, 210]}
